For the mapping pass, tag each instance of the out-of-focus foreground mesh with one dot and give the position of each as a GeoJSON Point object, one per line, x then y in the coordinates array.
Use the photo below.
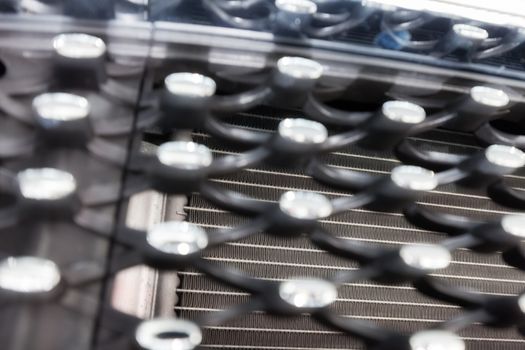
{"type": "Point", "coordinates": [334, 200]}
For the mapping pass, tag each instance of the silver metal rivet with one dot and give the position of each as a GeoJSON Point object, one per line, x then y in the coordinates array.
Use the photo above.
{"type": "Point", "coordinates": [308, 292]}
{"type": "Point", "coordinates": [79, 45]}
{"type": "Point", "coordinates": [303, 131]}
{"type": "Point", "coordinates": [305, 205]}
{"type": "Point", "coordinates": [306, 7]}
{"type": "Point", "coordinates": [60, 106]}
{"type": "Point", "coordinates": [425, 256]}
{"type": "Point", "coordinates": [414, 178]}
{"type": "Point", "coordinates": [506, 156]}
{"type": "Point", "coordinates": [514, 224]}
{"type": "Point", "coordinates": [177, 237]}
{"type": "Point", "coordinates": [45, 183]}
{"type": "Point", "coordinates": [404, 112]}
{"type": "Point", "coordinates": [470, 32]}
{"type": "Point", "coordinates": [300, 68]}
{"type": "Point", "coordinates": [489, 96]}
{"type": "Point", "coordinates": [184, 155]}
{"type": "Point", "coordinates": [190, 84]}
{"type": "Point", "coordinates": [28, 274]}
{"type": "Point", "coordinates": [436, 340]}
{"type": "Point", "coordinates": [155, 334]}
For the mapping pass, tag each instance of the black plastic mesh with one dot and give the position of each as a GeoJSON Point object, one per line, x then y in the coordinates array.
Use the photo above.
{"type": "Point", "coordinates": [397, 307]}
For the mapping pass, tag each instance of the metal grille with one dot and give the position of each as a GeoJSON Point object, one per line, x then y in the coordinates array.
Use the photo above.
{"type": "Point", "coordinates": [397, 307]}
{"type": "Point", "coordinates": [176, 102]}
